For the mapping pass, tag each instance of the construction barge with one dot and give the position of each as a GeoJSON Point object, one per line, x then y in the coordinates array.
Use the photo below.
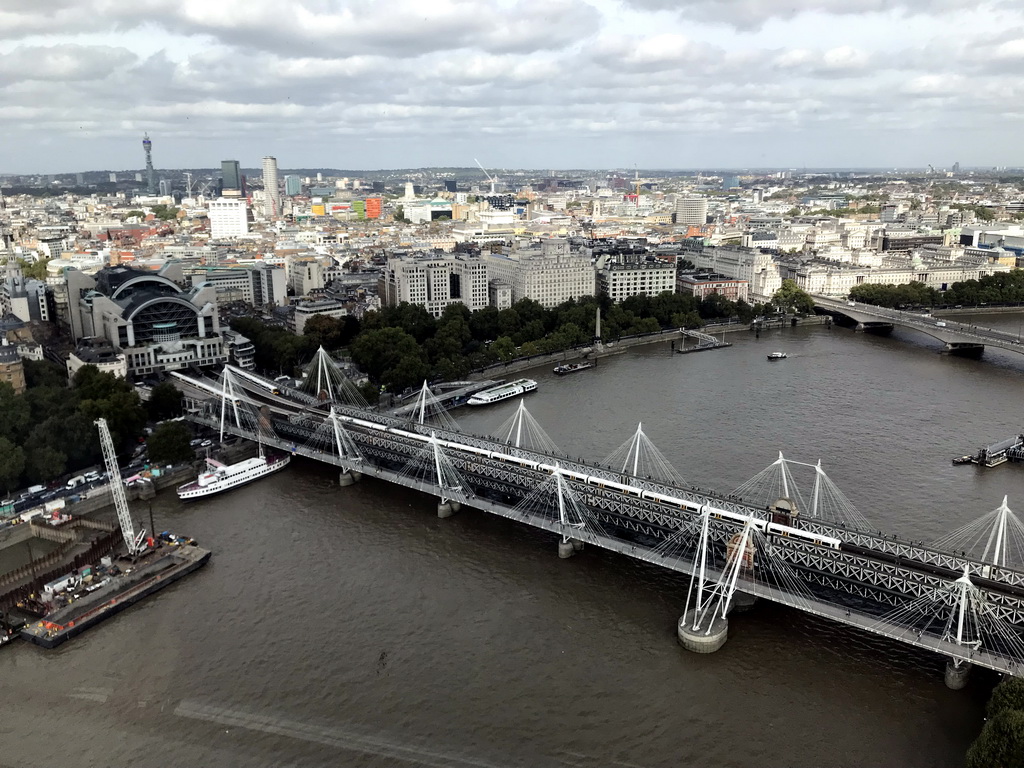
{"type": "Point", "coordinates": [56, 606]}
{"type": "Point", "coordinates": [115, 585]}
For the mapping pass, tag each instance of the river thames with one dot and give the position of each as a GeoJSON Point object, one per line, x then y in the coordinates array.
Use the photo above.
{"type": "Point", "coordinates": [351, 627]}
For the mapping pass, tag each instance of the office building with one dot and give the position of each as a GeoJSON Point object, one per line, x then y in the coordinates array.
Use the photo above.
{"type": "Point", "coordinates": [292, 185]}
{"type": "Point", "coordinates": [619, 279]}
{"type": "Point", "coordinates": [691, 210]}
{"type": "Point", "coordinates": [700, 285]}
{"type": "Point", "coordinates": [549, 272]}
{"type": "Point", "coordinates": [228, 218]}
{"type": "Point", "coordinates": [271, 193]}
{"type": "Point", "coordinates": [435, 280]}
{"type": "Point", "coordinates": [231, 176]}
{"type": "Point", "coordinates": [12, 369]}
{"type": "Point", "coordinates": [259, 285]}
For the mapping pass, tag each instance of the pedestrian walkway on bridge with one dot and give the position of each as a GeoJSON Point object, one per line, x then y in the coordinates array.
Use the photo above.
{"type": "Point", "coordinates": [808, 548]}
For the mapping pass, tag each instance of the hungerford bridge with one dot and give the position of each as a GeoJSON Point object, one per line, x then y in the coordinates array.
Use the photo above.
{"type": "Point", "coordinates": [809, 549]}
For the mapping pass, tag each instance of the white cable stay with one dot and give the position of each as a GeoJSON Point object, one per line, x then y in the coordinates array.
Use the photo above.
{"type": "Point", "coordinates": [639, 457]}
{"type": "Point", "coordinates": [827, 502]}
{"type": "Point", "coordinates": [996, 537]}
{"type": "Point", "coordinates": [522, 430]}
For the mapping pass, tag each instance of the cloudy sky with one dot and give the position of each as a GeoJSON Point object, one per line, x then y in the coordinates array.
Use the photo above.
{"type": "Point", "coordinates": [516, 83]}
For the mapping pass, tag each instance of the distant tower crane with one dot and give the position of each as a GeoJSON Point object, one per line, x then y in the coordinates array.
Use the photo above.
{"type": "Point", "coordinates": [492, 179]}
{"type": "Point", "coordinates": [150, 173]}
{"type": "Point", "coordinates": [132, 541]}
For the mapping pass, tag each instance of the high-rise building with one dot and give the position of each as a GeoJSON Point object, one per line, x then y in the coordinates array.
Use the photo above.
{"type": "Point", "coordinates": [292, 186]}
{"type": "Point", "coordinates": [374, 207]}
{"type": "Point", "coordinates": [113, 178]}
{"type": "Point", "coordinates": [691, 210]}
{"type": "Point", "coordinates": [228, 218]}
{"type": "Point", "coordinates": [165, 187]}
{"type": "Point", "coordinates": [451, 185]}
{"type": "Point", "coordinates": [271, 194]}
{"type": "Point", "coordinates": [231, 173]}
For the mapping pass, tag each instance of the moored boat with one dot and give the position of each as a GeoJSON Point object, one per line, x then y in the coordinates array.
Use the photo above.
{"type": "Point", "coordinates": [562, 370]}
{"type": "Point", "coordinates": [502, 392]}
{"type": "Point", "coordinates": [220, 477]}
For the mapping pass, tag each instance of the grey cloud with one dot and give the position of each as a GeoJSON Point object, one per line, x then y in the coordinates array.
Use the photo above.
{"type": "Point", "coordinates": [752, 14]}
{"type": "Point", "coordinates": [62, 63]}
{"type": "Point", "coordinates": [400, 28]}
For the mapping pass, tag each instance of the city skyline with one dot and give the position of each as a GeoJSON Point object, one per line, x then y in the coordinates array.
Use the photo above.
{"type": "Point", "coordinates": [518, 84]}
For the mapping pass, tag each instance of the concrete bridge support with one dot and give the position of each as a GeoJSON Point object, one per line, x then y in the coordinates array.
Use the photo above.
{"type": "Point", "coordinates": [446, 509]}
{"type": "Point", "coordinates": [957, 673]}
{"type": "Point", "coordinates": [348, 477]}
{"type": "Point", "coordinates": [567, 549]}
{"type": "Point", "coordinates": [702, 639]}
{"type": "Point", "coordinates": [877, 328]}
{"type": "Point", "coordinates": [741, 602]}
{"type": "Point", "coordinates": [963, 349]}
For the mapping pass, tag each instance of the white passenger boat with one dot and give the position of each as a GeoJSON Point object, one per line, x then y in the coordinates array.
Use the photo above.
{"type": "Point", "coordinates": [220, 477]}
{"type": "Point", "coordinates": [502, 392]}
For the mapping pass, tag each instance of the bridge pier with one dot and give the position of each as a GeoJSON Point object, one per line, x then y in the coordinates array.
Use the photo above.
{"type": "Point", "coordinates": [880, 329]}
{"type": "Point", "coordinates": [569, 547]}
{"type": "Point", "coordinates": [446, 509]}
{"type": "Point", "coordinates": [348, 477]}
{"type": "Point", "coordinates": [957, 673]}
{"type": "Point", "coordinates": [702, 639]}
{"type": "Point", "coordinates": [963, 349]}
{"type": "Point", "coordinates": [741, 602]}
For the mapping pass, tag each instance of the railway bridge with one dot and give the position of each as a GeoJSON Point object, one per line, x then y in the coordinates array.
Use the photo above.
{"type": "Point", "coordinates": [809, 549]}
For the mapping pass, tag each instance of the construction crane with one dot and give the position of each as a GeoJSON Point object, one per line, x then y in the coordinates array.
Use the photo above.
{"type": "Point", "coordinates": [132, 541]}
{"type": "Point", "coordinates": [492, 179]}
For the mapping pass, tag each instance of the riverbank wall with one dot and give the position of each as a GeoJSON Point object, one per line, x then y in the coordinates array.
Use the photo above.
{"type": "Point", "coordinates": [624, 344]}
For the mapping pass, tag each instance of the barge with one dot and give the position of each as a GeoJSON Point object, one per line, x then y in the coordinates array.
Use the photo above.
{"type": "Point", "coordinates": [125, 582]}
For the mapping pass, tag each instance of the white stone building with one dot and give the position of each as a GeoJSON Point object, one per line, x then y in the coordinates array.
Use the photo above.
{"type": "Point", "coordinates": [228, 218]}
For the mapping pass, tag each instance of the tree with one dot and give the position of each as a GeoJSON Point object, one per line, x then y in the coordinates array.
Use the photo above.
{"type": "Point", "coordinates": [12, 464]}
{"type": "Point", "coordinates": [400, 214]}
{"type": "Point", "coordinates": [390, 356]}
{"type": "Point", "coordinates": [164, 402]}
{"type": "Point", "coordinates": [791, 298]}
{"type": "Point", "coordinates": [43, 373]}
{"type": "Point", "coordinates": [1001, 743]}
{"type": "Point", "coordinates": [504, 348]}
{"type": "Point", "coordinates": [1009, 694]}
{"type": "Point", "coordinates": [35, 270]}
{"type": "Point", "coordinates": [169, 444]}
{"type": "Point", "coordinates": [43, 463]}
{"type": "Point", "coordinates": [323, 331]}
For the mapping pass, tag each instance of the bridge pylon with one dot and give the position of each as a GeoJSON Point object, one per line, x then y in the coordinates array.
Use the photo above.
{"type": "Point", "coordinates": [556, 504]}
{"type": "Point", "coordinates": [429, 408]}
{"type": "Point", "coordinates": [331, 437]}
{"type": "Point", "coordinates": [522, 430]}
{"type": "Point", "coordinates": [704, 628]}
{"type": "Point", "coordinates": [640, 457]}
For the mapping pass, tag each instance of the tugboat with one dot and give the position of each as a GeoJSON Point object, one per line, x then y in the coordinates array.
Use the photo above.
{"type": "Point", "coordinates": [777, 356]}
{"type": "Point", "coordinates": [562, 370]}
